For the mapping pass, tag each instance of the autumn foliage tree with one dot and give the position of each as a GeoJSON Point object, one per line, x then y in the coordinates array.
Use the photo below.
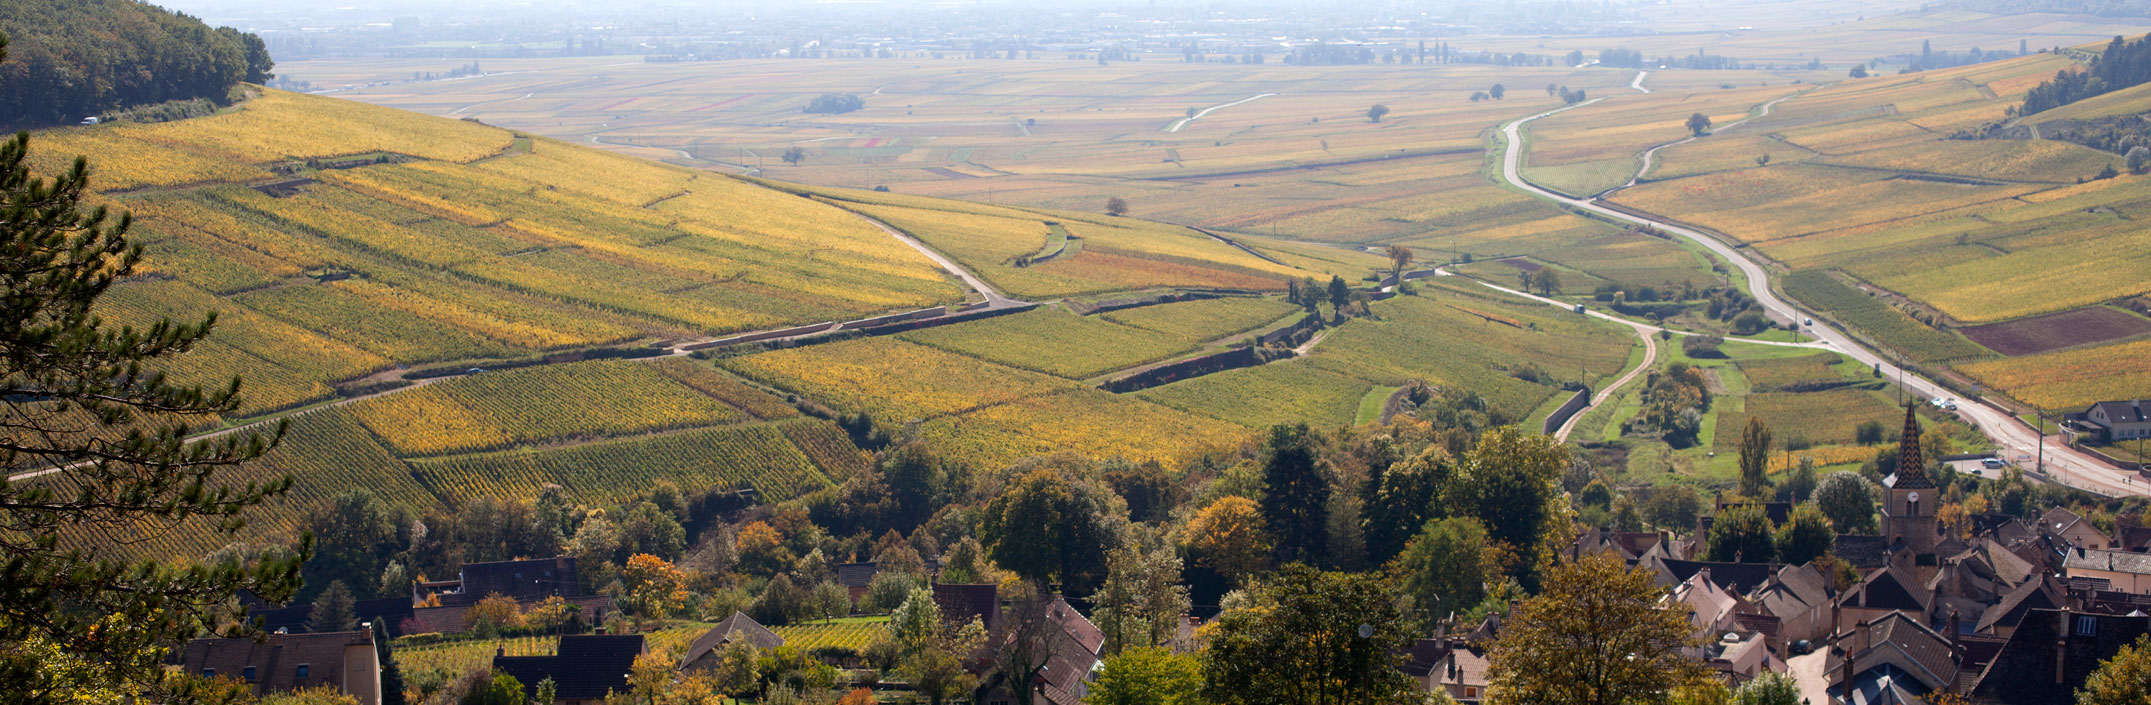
{"type": "Point", "coordinates": [1227, 538]}
{"type": "Point", "coordinates": [1596, 635]}
{"type": "Point", "coordinates": [654, 588]}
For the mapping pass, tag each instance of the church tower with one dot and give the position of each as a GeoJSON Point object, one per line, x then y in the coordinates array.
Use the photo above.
{"type": "Point", "coordinates": [1908, 514]}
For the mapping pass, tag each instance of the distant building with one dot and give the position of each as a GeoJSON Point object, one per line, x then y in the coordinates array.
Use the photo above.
{"type": "Point", "coordinates": [283, 663]}
{"type": "Point", "coordinates": [584, 669]}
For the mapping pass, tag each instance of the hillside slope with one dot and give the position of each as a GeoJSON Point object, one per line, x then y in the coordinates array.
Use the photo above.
{"type": "Point", "coordinates": [350, 249]}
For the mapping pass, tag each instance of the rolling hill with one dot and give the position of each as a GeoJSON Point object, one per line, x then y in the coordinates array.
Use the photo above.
{"type": "Point", "coordinates": [446, 310]}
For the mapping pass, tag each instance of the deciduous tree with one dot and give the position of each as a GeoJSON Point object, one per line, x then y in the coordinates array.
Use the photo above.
{"type": "Point", "coordinates": [2124, 679]}
{"type": "Point", "coordinates": [1596, 635]}
{"type": "Point", "coordinates": [1227, 538]}
{"type": "Point", "coordinates": [1049, 524]}
{"type": "Point", "coordinates": [1805, 536]}
{"type": "Point", "coordinates": [1754, 458]}
{"type": "Point", "coordinates": [1321, 639]}
{"type": "Point", "coordinates": [1446, 568]}
{"type": "Point", "coordinates": [1409, 493]}
{"type": "Point", "coordinates": [1742, 533]}
{"type": "Point", "coordinates": [1147, 676]}
{"type": "Point", "coordinates": [1849, 501]}
{"type": "Point", "coordinates": [1698, 123]}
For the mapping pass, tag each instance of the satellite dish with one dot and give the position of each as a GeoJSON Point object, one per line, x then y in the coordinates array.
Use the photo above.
{"type": "Point", "coordinates": [1366, 631]}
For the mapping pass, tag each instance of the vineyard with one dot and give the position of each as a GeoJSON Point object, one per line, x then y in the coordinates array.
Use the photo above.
{"type": "Point", "coordinates": [892, 380]}
{"type": "Point", "coordinates": [853, 634]}
{"type": "Point", "coordinates": [1258, 397]}
{"type": "Point", "coordinates": [758, 456]}
{"type": "Point", "coordinates": [1870, 315]}
{"type": "Point", "coordinates": [1777, 373]}
{"type": "Point", "coordinates": [1207, 319]}
{"type": "Point", "coordinates": [506, 408]}
{"type": "Point", "coordinates": [1818, 418]}
{"type": "Point", "coordinates": [2071, 379]}
{"type": "Point", "coordinates": [464, 655]}
{"type": "Point", "coordinates": [1056, 342]}
{"type": "Point", "coordinates": [1429, 338]}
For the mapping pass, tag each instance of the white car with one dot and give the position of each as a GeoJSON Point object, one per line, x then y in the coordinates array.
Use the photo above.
{"type": "Point", "coordinates": [1950, 404]}
{"type": "Point", "coordinates": [1937, 402]}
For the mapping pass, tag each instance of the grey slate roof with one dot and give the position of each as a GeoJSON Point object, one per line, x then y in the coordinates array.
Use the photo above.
{"type": "Point", "coordinates": [2131, 411]}
{"type": "Point", "coordinates": [2114, 561]}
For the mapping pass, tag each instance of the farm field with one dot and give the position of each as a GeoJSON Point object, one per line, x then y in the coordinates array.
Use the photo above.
{"type": "Point", "coordinates": [1769, 374]}
{"type": "Point", "coordinates": [2054, 331]}
{"type": "Point", "coordinates": [683, 422]}
{"type": "Point", "coordinates": [2071, 379]}
{"type": "Point", "coordinates": [1302, 161]}
{"type": "Point", "coordinates": [1971, 228]}
{"type": "Point", "coordinates": [1817, 418]}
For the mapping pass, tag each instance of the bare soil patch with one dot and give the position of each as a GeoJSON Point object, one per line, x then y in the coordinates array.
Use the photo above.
{"type": "Point", "coordinates": [2054, 331]}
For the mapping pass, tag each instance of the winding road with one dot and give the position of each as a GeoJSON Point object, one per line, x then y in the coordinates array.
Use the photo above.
{"type": "Point", "coordinates": [2015, 439]}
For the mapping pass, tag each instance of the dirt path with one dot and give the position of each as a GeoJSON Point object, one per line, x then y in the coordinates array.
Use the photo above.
{"type": "Point", "coordinates": [1650, 156]}
{"type": "Point", "coordinates": [1183, 122]}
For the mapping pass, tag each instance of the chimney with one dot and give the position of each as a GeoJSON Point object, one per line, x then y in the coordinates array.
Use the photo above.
{"type": "Point", "coordinates": [1954, 647]}
{"type": "Point", "coordinates": [2061, 646]}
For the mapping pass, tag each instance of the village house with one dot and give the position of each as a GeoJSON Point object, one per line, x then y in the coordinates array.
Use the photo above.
{"type": "Point", "coordinates": [2070, 530]}
{"type": "Point", "coordinates": [1452, 666]}
{"type": "Point", "coordinates": [705, 651]}
{"type": "Point", "coordinates": [281, 663]}
{"type": "Point", "coordinates": [584, 668]}
{"type": "Point", "coordinates": [2120, 571]}
{"type": "Point", "coordinates": [2109, 421]}
{"type": "Point", "coordinates": [1891, 656]}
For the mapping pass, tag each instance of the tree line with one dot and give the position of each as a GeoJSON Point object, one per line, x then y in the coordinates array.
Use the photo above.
{"type": "Point", "coordinates": [2124, 64]}
{"type": "Point", "coordinates": [71, 59]}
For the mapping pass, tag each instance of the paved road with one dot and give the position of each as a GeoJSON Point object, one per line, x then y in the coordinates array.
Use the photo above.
{"type": "Point", "coordinates": [1806, 670]}
{"type": "Point", "coordinates": [1183, 122]}
{"type": "Point", "coordinates": [2011, 435]}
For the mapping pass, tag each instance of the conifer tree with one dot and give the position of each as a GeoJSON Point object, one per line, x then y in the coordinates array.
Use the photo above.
{"type": "Point", "coordinates": [99, 442]}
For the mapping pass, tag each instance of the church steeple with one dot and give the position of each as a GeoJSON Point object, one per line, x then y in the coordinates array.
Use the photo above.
{"type": "Point", "coordinates": [1911, 467]}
